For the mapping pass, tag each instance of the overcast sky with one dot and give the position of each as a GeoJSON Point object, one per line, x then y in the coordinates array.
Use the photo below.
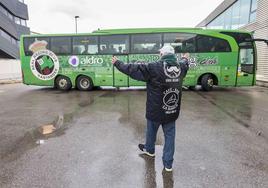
{"type": "Point", "coordinates": [57, 16]}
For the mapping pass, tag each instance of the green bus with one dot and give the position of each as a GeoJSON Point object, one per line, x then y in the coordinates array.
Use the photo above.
{"type": "Point", "coordinates": [83, 61]}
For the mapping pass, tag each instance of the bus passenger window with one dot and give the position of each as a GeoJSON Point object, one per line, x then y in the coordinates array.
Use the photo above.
{"type": "Point", "coordinates": [85, 45]}
{"type": "Point", "coordinates": [212, 44]}
{"type": "Point", "coordinates": [146, 43]}
{"type": "Point", "coordinates": [77, 50]}
{"type": "Point", "coordinates": [182, 42]}
{"type": "Point", "coordinates": [61, 45]}
{"type": "Point", "coordinates": [114, 44]}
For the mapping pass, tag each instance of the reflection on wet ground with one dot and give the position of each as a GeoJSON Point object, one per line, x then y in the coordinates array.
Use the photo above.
{"type": "Point", "coordinates": [246, 107]}
{"type": "Point", "coordinates": [225, 110]}
{"type": "Point", "coordinates": [150, 174]}
{"type": "Point", "coordinates": [91, 139]}
{"type": "Point", "coordinates": [35, 137]}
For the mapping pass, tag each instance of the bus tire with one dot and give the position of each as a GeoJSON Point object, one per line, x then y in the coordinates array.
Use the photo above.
{"type": "Point", "coordinates": [207, 82]}
{"type": "Point", "coordinates": [84, 83]}
{"type": "Point", "coordinates": [63, 83]}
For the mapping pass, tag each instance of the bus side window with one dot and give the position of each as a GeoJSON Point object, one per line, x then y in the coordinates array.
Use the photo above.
{"type": "Point", "coordinates": [146, 43]}
{"type": "Point", "coordinates": [189, 45]}
{"type": "Point", "coordinates": [212, 44]}
{"type": "Point", "coordinates": [31, 44]}
{"type": "Point", "coordinates": [61, 45]}
{"type": "Point", "coordinates": [114, 44]}
{"type": "Point", "coordinates": [77, 50]}
{"type": "Point", "coordinates": [85, 45]}
{"type": "Point", "coordinates": [182, 42]}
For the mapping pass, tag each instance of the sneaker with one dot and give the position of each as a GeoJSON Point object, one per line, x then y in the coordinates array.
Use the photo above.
{"type": "Point", "coordinates": [142, 148]}
{"type": "Point", "coordinates": [168, 169]}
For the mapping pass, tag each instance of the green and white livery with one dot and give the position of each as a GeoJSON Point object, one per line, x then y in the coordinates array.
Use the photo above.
{"type": "Point", "coordinates": [217, 57]}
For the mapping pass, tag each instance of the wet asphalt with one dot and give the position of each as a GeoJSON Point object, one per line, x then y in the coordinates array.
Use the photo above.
{"type": "Point", "coordinates": [221, 139]}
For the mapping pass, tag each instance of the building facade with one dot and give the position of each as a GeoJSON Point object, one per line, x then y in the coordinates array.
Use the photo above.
{"type": "Point", "coordinates": [13, 23]}
{"type": "Point", "coordinates": [249, 15]}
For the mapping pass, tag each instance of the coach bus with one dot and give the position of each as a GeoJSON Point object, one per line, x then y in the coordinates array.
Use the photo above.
{"type": "Point", "coordinates": [83, 61]}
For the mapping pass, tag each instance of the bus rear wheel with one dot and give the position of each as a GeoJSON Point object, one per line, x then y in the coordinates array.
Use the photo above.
{"type": "Point", "coordinates": [207, 82]}
{"type": "Point", "coordinates": [84, 83]}
{"type": "Point", "coordinates": [63, 83]}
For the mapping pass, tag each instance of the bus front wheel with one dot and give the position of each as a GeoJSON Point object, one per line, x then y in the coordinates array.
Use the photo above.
{"type": "Point", "coordinates": [84, 83]}
{"type": "Point", "coordinates": [63, 83]}
{"type": "Point", "coordinates": [207, 82]}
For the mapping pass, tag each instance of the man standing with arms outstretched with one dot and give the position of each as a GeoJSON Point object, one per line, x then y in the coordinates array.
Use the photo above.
{"type": "Point", "coordinates": [164, 88]}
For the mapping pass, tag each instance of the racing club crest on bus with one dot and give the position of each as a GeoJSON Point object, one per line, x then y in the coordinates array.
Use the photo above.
{"type": "Point", "coordinates": [44, 63]}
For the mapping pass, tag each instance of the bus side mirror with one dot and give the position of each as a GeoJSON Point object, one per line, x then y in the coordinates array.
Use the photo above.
{"type": "Point", "coordinates": [257, 40]}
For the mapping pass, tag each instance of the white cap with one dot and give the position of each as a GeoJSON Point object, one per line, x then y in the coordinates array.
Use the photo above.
{"type": "Point", "coordinates": [167, 49]}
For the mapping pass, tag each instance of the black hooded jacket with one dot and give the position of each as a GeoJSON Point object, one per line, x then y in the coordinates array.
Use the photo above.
{"type": "Point", "coordinates": [164, 85]}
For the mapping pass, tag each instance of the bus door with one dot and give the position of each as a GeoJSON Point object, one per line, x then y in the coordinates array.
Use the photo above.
{"type": "Point", "coordinates": [246, 65]}
{"type": "Point", "coordinates": [102, 67]}
{"type": "Point", "coordinates": [120, 79]}
{"type": "Point", "coordinates": [115, 45]}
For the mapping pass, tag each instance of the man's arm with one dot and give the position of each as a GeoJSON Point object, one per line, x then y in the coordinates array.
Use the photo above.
{"type": "Point", "coordinates": [137, 71]}
{"type": "Point", "coordinates": [184, 63]}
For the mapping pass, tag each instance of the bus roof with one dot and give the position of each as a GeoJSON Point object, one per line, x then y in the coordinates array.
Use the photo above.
{"type": "Point", "coordinates": [141, 30]}
{"type": "Point", "coordinates": [160, 30]}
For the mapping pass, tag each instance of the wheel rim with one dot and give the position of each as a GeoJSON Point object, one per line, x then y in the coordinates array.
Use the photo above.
{"type": "Point", "coordinates": [62, 83]}
{"type": "Point", "coordinates": [84, 83]}
{"type": "Point", "coordinates": [210, 82]}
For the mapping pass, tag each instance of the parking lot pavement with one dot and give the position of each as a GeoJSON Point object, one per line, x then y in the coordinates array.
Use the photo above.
{"type": "Point", "coordinates": [221, 139]}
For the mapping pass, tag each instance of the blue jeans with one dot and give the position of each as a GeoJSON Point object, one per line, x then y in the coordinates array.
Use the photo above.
{"type": "Point", "coordinates": [169, 132]}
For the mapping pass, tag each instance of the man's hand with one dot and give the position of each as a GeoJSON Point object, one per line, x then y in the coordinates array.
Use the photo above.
{"type": "Point", "coordinates": [185, 55]}
{"type": "Point", "coordinates": [114, 59]}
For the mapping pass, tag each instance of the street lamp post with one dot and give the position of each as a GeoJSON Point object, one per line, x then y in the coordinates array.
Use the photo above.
{"type": "Point", "coordinates": [76, 17]}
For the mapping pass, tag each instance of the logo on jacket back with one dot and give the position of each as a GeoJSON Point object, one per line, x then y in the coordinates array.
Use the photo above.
{"type": "Point", "coordinates": [171, 100]}
{"type": "Point", "coordinates": [172, 71]}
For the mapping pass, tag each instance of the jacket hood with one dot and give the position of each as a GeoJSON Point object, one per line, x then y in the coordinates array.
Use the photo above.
{"type": "Point", "coordinates": [170, 58]}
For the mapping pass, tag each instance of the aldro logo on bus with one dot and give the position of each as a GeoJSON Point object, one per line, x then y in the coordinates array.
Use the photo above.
{"type": "Point", "coordinates": [44, 63]}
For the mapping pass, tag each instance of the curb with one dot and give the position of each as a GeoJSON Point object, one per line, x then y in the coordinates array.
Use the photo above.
{"type": "Point", "coordinates": [262, 83]}
{"type": "Point", "coordinates": [2, 82]}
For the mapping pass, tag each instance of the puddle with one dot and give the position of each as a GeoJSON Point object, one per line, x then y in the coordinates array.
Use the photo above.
{"type": "Point", "coordinates": [56, 128]}
{"type": "Point", "coordinates": [86, 103]}
{"type": "Point", "coordinates": [38, 136]}
{"type": "Point", "coordinates": [109, 94]}
{"type": "Point", "coordinates": [150, 174]}
{"type": "Point", "coordinates": [43, 133]}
